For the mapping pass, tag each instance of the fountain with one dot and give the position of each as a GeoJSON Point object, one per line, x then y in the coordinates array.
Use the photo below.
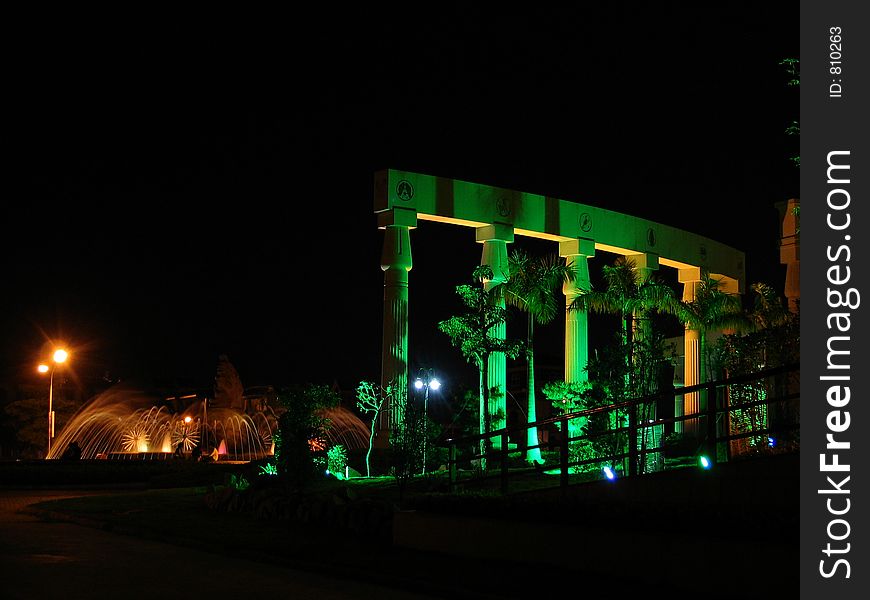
{"type": "Point", "coordinates": [345, 428]}
{"type": "Point", "coordinates": [128, 424]}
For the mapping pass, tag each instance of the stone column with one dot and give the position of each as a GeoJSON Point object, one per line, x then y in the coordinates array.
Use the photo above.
{"type": "Point", "coordinates": [577, 254]}
{"type": "Point", "coordinates": [789, 254]}
{"type": "Point", "coordinates": [495, 239]}
{"type": "Point", "coordinates": [691, 403]}
{"type": "Point", "coordinates": [396, 263]}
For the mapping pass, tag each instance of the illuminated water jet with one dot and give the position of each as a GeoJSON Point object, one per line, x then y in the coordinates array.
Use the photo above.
{"type": "Point", "coordinates": [128, 424]}
{"type": "Point", "coordinates": [122, 423]}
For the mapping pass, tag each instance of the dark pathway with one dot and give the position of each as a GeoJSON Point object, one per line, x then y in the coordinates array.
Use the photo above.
{"type": "Point", "coordinates": [61, 560]}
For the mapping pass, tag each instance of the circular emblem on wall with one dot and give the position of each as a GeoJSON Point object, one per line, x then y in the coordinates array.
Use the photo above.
{"type": "Point", "coordinates": [504, 207]}
{"type": "Point", "coordinates": [404, 190]}
{"type": "Point", "coordinates": [585, 222]}
{"type": "Point", "coordinates": [651, 236]}
{"type": "Point", "coordinates": [703, 252]}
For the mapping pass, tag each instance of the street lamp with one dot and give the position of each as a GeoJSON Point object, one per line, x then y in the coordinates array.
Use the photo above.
{"type": "Point", "coordinates": [424, 381]}
{"type": "Point", "coordinates": [60, 355]}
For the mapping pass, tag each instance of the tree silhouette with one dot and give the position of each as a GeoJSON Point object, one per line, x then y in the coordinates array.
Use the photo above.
{"type": "Point", "coordinates": [532, 289]}
{"type": "Point", "coordinates": [371, 398]}
{"type": "Point", "coordinates": [473, 334]}
{"type": "Point", "coordinates": [626, 295]}
{"type": "Point", "coordinates": [711, 310]}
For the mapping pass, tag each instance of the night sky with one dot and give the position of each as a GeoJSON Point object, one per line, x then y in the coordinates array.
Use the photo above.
{"type": "Point", "coordinates": [184, 190]}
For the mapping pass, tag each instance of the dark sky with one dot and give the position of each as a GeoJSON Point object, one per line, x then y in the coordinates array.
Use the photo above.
{"type": "Point", "coordinates": [180, 190]}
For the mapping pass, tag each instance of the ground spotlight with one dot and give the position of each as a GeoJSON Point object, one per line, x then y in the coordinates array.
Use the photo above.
{"type": "Point", "coordinates": [608, 472]}
{"type": "Point", "coordinates": [704, 462]}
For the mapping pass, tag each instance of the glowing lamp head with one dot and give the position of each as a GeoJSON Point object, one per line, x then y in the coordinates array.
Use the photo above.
{"type": "Point", "coordinates": [704, 462]}
{"type": "Point", "coordinates": [771, 442]}
{"type": "Point", "coordinates": [418, 384]}
{"type": "Point", "coordinates": [187, 419]}
{"type": "Point", "coordinates": [435, 384]}
{"type": "Point", "coordinates": [42, 368]}
{"type": "Point", "coordinates": [60, 355]}
{"type": "Point", "coordinates": [608, 472]}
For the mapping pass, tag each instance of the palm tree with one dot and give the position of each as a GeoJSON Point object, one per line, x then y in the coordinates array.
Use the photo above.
{"type": "Point", "coordinates": [531, 288]}
{"type": "Point", "coordinates": [627, 296]}
{"type": "Point", "coordinates": [768, 310]}
{"type": "Point", "coordinates": [712, 309]}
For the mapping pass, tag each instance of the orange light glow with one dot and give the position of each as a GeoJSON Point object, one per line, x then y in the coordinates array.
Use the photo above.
{"type": "Point", "coordinates": [42, 368]}
{"type": "Point", "coordinates": [60, 355]}
{"type": "Point", "coordinates": [187, 419]}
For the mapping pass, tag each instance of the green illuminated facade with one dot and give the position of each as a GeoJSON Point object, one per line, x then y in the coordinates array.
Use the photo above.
{"type": "Point", "coordinates": [497, 215]}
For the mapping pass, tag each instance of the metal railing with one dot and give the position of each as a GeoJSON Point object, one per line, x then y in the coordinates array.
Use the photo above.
{"type": "Point", "coordinates": [752, 413]}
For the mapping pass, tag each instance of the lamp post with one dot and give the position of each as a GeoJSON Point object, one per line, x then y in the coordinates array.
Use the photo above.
{"type": "Point", "coordinates": [60, 355]}
{"type": "Point", "coordinates": [424, 381]}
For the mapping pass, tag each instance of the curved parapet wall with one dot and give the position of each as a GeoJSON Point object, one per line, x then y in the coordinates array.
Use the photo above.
{"type": "Point", "coordinates": [409, 196]}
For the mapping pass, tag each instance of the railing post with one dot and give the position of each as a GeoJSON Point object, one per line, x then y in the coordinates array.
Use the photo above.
{"type": "Point", "coordinates": [632, 441]}
{"type": "Point", "coordinates": [563, 456]}
{"type": "Point", "coordinates": [711, 423]}
{"type": "Point", "coordinates": [504, 461]}
{"type": "Point", "coordinates": [452, 470]}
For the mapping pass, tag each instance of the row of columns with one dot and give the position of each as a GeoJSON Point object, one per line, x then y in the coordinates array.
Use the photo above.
{"type": "Point", "coordinates": [396, 262]}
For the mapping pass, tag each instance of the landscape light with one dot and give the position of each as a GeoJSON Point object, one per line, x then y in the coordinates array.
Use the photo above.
{"type": "Point", "coordinates": [771, 442]}
{"type": "Point", "coordinates": [608, 472]}
{"type": "Point", "coordinates": [435, 384]}
{"type": "Point", "coordinates": [705, 462]}
{"type": "Point", "coordinates": [418, 384]}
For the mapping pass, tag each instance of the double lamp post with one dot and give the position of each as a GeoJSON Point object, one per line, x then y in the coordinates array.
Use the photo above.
{"type": "Point", "coordinates": [59, 357]}
{"type": "Point", "coordinates": [424, 381]}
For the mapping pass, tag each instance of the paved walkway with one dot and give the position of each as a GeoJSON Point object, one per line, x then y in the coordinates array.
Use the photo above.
{"type": "Point", "coordinates": [49, 560]}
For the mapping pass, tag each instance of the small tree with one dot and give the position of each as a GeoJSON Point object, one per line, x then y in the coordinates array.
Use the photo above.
{"type": "Point", "coordinates": [26, 421]}
{"type": "Point", "coordinates": [773, 342]}
{"type": "Point", "coordinates": [793, 68]}
{"type": "Point", "coordinates": [612, 379]}
{"type": "Point", "coordinates": [301, 431]}
{"type": "Point", "coordinates": [473, 334]}
{"type": "Point", "coordinates": [406, 446]}
{"type": "Point", "coordinates": [371, 398]}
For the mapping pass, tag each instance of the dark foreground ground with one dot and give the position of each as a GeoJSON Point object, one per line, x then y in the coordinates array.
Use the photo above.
{"type": "Point", "coordinates": [140, 542]}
